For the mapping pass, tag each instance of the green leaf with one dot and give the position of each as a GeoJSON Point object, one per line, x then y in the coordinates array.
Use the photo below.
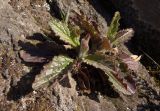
{"type": "Point", "coordinates": [115, 77]}
{"type": "Point", "coordinates": [113, 28]}
{"type": "Point", "coordinates": [62, 30]}
{"type": "Point", "coordinates": [51, 71]}
{"type": "Point", "coordinates": [65, 16]}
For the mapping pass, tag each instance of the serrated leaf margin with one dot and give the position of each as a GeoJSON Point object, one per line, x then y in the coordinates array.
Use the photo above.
{"type": "Point", "coordinates": [62, 30]}
{"type": "Point", "coordinates": [114, 26]}
{"type": "Point", "coordinates": [119, 83]}
{"type": "Point", "coordinates": [52, 70]}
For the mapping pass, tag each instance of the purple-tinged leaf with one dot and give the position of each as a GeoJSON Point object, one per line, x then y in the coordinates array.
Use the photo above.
{"type": "Point", "coordinates": [89, 27]}
{"type": "Point", "coordinates": [86, 24]}
{"type": "Point", "coordinates": [127, 80]}
{"type": "Point", "coordinates": [29, 58]}
{"type": "Point", "coordinates": [83, 82]}
{"type": "Point", "coordinates": [131, 64]}
{"type": "Point", "coordinates": [115, 76]}
{"type": "Point", "coordinates": [123, 36]}
{"type": "Point", "coordinates": [106, 44]}
{"type": "Point", "coordinates": [84, 47]}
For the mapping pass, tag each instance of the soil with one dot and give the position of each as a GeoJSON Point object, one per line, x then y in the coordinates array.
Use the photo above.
{"type": "Point", "coordinates": [23, 25]}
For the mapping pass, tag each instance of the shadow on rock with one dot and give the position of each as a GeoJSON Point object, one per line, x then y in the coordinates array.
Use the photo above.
{"type": "Point", "coordinates": [34, 55]}
{"type": "Point", "coordinates": [105, 8]}
{"type": "Point", "coordinates": [24, 86]}
{"type": "Point", "coordinates": [92, 81]}
{"type": "Point", "coordinates": [39, 51]}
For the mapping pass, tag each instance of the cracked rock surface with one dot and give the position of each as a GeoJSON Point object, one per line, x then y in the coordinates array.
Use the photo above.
{"type": "Point", "coordinates": [22, 19]}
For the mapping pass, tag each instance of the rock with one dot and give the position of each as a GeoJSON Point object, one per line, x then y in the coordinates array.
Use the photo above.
{"type": "Point", "coordinates": [14, 27]}
{"type": "Point", "coordinates": [83, 6]}
{"type": "Point", "coordinates": [144, 17]}
{"type": "Point", "coordinates": [20, 19]}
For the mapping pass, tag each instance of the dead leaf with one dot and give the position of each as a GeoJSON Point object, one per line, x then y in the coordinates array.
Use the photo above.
{"type": "Point", "coordinates": [136, 57]}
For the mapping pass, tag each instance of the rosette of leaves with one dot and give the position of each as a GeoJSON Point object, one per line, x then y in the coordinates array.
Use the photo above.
{"type": "Point", "coordinates": [114, 63]}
